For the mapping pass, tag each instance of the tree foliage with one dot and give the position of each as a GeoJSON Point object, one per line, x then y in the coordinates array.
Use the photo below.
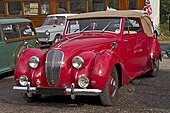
{"type": "Point", "coordinates": [165, 10]}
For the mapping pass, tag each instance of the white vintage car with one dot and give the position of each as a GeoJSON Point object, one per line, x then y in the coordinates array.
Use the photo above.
{"type": "Point", "coordinates": [52, 29]}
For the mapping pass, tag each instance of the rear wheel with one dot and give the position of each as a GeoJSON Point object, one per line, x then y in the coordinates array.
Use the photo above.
{"type": "Point", "coordinates": [155, 68]}
{"type": "Point", "coordinates": [30, 97]}
{"type": "Point", "coordinates": [110, 92]}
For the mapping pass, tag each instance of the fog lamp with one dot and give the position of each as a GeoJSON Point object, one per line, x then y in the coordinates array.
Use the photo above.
{"type": "Point", "coordinates": [83, 81]}
{"type": "Point", "coordinates": [23, 80]}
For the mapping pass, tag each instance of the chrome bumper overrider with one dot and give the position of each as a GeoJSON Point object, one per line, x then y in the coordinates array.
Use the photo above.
{"type": "Point", "coordinates": [68, 91]}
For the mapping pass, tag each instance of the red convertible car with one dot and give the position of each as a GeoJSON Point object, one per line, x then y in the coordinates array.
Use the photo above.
{"type": "Point", "coordinates": [99, 52]}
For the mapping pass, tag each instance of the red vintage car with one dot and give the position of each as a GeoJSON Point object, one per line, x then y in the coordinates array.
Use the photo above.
{"type": "Point", "coordinates": [99, 52]}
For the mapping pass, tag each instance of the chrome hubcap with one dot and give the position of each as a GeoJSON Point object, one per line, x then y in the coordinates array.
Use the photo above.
{"type": "Point", "coordinates": [113, 86]}
{"type": "Point", "coordinates": [156, 65]}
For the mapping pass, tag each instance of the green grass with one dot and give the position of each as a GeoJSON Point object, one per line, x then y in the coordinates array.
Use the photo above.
{"type": "Point", "coordinates": [164, 32]}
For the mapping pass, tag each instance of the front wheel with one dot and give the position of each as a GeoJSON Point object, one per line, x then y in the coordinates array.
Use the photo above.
{"type": "Point", "coordinates": [30, 97]}
{"type": "Point", "coordinates": [110, 92]}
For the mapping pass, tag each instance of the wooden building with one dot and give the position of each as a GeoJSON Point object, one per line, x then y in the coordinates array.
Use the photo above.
{"type": "Point", "coordinates": [37, 10]}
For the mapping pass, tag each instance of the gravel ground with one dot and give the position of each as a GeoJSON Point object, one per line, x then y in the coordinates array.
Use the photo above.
{"type": "Point", "coordinates": [142, 95]}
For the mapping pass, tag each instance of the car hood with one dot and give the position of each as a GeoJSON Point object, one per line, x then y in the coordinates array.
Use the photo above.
{"type": "Point", "coordinates": [85, 42]}
{"type": "Point", "coordinates": [50, 28]}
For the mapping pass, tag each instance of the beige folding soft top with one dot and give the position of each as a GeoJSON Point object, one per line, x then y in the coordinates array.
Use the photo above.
{"type": "Point", "coordinates": [107, 14]}
{"type": "Point", "coordinates": [146, 21]}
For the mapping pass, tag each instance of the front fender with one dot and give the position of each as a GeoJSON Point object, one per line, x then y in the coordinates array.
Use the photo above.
{"type": "Point", "coordinates": [103, 65]}
{"type": "Point", "coordinates": [22, 67]}
{"type": "Point", "coordinates": [87, 69]}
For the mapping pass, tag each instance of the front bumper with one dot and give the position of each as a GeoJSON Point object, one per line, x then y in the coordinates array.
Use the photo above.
{"type": "Point", "coordinates": [58, 91]}
{"type": "Point", "coordinates": [44, 40]}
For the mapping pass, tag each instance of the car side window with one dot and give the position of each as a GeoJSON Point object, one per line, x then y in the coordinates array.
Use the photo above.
{"type": "Point", "coordinates": [19, 30]}
{"type": "Point", "coordinates": [132, 26]}
{"type": "Point", "coordinates": [26, 29]}
{"type": "Point", "coordinates": [11, 31]}
{"type": "Point", "coordinates": [73, 27]}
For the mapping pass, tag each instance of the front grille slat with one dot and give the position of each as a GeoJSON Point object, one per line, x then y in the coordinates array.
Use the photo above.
{"type": "Point", "coordinates": [53, 66]}
{"type": "Point", "coordinates": [41, 35]}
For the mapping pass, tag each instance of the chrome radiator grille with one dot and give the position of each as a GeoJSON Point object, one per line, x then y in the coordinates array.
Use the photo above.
{"type": "Point", "coordinates": [41, 35]}
{"type": "Point", "coordinates": [54, 61]}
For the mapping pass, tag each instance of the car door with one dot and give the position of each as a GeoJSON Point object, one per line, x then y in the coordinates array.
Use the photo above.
{"type": "Point", "coordinates": [3, 54]}
{"type": "Point", "coordinates": [12, 38]}
{"type": "Point", "coordinates": [135, 47]}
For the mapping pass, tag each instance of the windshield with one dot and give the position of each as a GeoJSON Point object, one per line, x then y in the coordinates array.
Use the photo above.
{"type": "Point", "coordinates": [86, 25]}
{"type": "Point", "coordinates": [55, 20]}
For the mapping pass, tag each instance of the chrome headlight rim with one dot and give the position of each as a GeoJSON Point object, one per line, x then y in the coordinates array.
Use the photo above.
{"type": "Point", "coordinates": [47, 33]}
{"type": "Point", "coordinates": [77, 62]}
{"type": "Point", "coordinates": [23, 80]}
{"type": "Point", "coordinates": [34, 62]}
{"type": "Point", "coordinates": [83, 82]}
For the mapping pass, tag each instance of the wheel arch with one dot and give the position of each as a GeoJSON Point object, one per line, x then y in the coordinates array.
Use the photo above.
{"type": "Point", "coordinates": [20, 50]}
{"type": "Point", "coordinates": [104, 63]}
{"type": "Point", "coordinates": [119, 72]}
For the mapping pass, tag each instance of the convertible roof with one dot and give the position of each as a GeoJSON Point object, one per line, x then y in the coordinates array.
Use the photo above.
{"type": "Point", "coordinates": [145, 19]}
{"type": "Point", "coordinates": [108, 14]}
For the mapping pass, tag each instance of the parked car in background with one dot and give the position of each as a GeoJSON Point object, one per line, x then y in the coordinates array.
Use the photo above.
{"type": "Point", "coordinates": [95, 57]}
{"type": "Point", "coordinates": [52, 29]}
{"type": "Point", "coordinates": [16, 35]}
{"type": "Point", "coordinates": [167, 52]}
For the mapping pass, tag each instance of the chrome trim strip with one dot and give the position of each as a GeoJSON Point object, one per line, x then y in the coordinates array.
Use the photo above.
{"type": "Point", "coordinates": [91, 92]}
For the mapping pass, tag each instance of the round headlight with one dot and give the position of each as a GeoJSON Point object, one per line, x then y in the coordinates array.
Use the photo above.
{"type": "Point", "coordinates": [23, 80]}
{"type": "Point", "coordinates": [47, 33]}
{"type": "Point", "coordinates": [34, 62]}
{"type": "Point", "coordinates": [83, 82]}
{"type": "Point", "coordinates": [77, 62]}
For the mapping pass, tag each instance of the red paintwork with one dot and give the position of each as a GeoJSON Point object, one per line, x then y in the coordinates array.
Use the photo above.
{"type": "Point", "coordinates": [133, 57]}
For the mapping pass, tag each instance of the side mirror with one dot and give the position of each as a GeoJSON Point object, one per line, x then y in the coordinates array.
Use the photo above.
{"type": "Point", "coordinates": [113, 45]}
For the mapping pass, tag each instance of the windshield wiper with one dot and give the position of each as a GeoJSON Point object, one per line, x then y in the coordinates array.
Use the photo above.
{"type": "Point", "coordinates": [85, 28]}
{"type": "Point", "coordinates": [93, 25]}
{"type": "Point", "coordinates": [107, 26]}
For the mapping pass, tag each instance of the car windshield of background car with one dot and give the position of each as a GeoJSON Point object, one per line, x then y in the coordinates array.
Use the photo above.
{"type": "Point", "coordinates": [86, 25]}
{"type": "Point", "coordinates": [54, 20]}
